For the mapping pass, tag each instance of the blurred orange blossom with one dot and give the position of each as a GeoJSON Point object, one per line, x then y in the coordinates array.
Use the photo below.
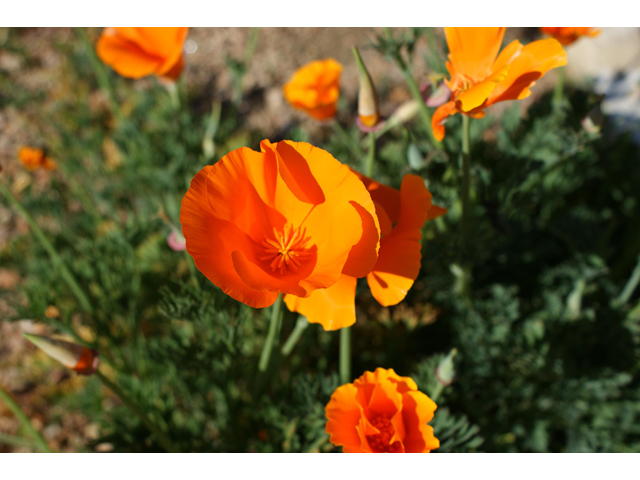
{"type": "Point", "coordinates": [402, 215]}
{"type": "Point", "coordinates": [480, 77]}
{"type": "Point", "coordinates": [289, 219]}
{"type": "Point", "coordinates": [35, 158]}
{"type": "Point", "coordinates": [315, 88]}
{"type": "Point", "coordinates": [568, 35]}
{"type": "Point", "coordinates": [381, 412]}
{"type": "Point", "coordinates": [135, 52]}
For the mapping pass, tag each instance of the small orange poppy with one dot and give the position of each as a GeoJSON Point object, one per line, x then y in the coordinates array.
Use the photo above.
{"type": "Point", "coordinates": [402, 215]}
{"type": "Point", "coordinates": [315, 88]}
{"type": "Point", "coordinates": [35, 158]}
{"type": "Point", "coordinates": [381, 412]}
{"type": "Point", "coordinates": [568, 35]}
{"type": "Point", "coordinates": [289, 218]}
{"type": "Point", "coordinates": [480, 77]}
{"type": "Point", "coordinates": [135, 52]}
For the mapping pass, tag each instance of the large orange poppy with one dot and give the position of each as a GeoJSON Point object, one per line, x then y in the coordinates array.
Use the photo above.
{"type": "Point", "coordinates": [315, 88]}
{"type": "Point", "coordinates": [402, 215]}
{"type": "Point", "coordinates": [568, 35]}
{"type": "Point", "coordinates": [381, 412]}
{"type": "Point", "coordinates": [480, 77]}
{"type": "Point", "coordinates": [289, 218]}
{"type": "Point", "coordinates": [135, 52]}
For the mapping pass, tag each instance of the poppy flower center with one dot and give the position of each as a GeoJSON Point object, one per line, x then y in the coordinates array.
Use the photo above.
{"type": "Point", "coordinates": [287, 250]}
{"type": "Point", "coordinates": [380, 441]}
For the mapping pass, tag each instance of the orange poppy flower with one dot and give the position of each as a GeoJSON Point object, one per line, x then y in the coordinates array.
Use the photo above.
{"type": "Point", "coordinates": [402, 215]}
{"type": "Point", "coordinates": [381, 412]}
{"type": "Point", "coordinates": [76, 357]}
{"type": "Point", "coordinates": [35, 158]}
{"type": "Point", "coordinates": [480, 77]}
{"type": "Point", "coordinates": [289, 218]}
{"type": "Point", "coordinates": [568, 35]}
{"type": "Point", "coordinates": [315, 88]}
{"type": "Point", "coordinates": [135, 52]}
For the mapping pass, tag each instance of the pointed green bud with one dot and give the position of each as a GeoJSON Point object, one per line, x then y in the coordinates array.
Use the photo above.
{"type": "Point", "coordinates": [76, 357]}
{"type": "Point", "coordinates": [367, 96]}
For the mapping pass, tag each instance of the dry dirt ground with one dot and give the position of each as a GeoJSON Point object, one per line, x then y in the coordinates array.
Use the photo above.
{"type": "Point", "coordinates": [33, 380]}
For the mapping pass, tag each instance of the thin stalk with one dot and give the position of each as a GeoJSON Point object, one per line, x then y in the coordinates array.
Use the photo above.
{"type": "Point", "coordinates": [466, 167]}
{"type": "Point", "coordinates": [294, 336]}
{"type": "Point", "coordinates": [436, 392]}
{"type": "Point", "coordinates": [18, 441]}
{"type": "Point", "coordinates": [161, 437]}
{"type": "Point", "coordinates": [371, 155]}
{"type": "Point", "coordinates": [345, 355]}
{"type": "Point", "coordinates": [347, 141]}
{"type": "Point", "coordinates": [425, 115]}
{"type": "Point", "coordinates": [26, 422]}
{"type": "Point", "coordinates": [174, 94]}
{"type": "Point", "coordinates": [274, 329]}
{"type": "Point", "coordinates": [56, 260]}
{"type": "Point", "coordinates": [192, 271]}
{"type": "Point", "coordinates": [558, 91]}
{"type": "Point", "coordinates": [629, 288]}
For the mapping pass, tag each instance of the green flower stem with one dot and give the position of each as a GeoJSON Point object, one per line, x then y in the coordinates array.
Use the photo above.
{"type": "Point", "coordinates": [161, 437]}
{"type": "Point", "coordinates": [371, 155]}
{"type": "Point", "coordinates": [558, 91]}
{"type": "Point", "coordinates": [294, 337]}
{"type": "Point", "coordinates": [629, 288]}
{"type": "Point", "coordinates": [57, 262]}
{"type": "Point", "coordinates": [425, 115]}
{"type": "Point", "coordinates": [26, 422]}
{"type": "Point", "coordinates": [345, 355]}
{"type": "Point", "coordinates": [466, 167]}
{"type": "Point", "coordinates": [274, 330]}
{"type": "Point", "coordinates": [347, 141]}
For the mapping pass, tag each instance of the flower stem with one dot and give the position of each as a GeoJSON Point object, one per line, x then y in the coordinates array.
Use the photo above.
{"type": "Point", "coordinates": [371, 155]}
{"type": "Point", "coordinates": [26, 422]}
{"type": "Point", "coordinates": [345, 355]}
{"type": "Point", "coordinates": [294, 336]}
{"type": "Point", "coordinates": [629, 288]}
{"type": "Point", "coordinates": [425, 115]}
{"type": "Point", "coordinates": [346, 140]}
{"type": "Point", "coordinates": [162, 438]}
{"type": "Point", "coordinates": [274, 329]}
{"type": "Point", "coordinates": [558, 91]}
{"type": "Point", "coordinates": [57, 262]}
{"type": "Point", "coordinates": [466, 167]}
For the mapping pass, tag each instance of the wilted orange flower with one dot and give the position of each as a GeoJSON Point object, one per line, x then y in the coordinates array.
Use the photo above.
{"type": "Point", "coordinates": [402, 215]}
{"type": "Point", "coordinates": [568, 35]}
{"type": "Point", "coordinates": [381, 412]}
{"type": "Point", "coordinates": [35, 158]}
{"type": "Point", "coordinates": [480, 77]}
{"type": "Point", "coordinates": [315, 88]}
{"type": "Point", "coordinates": [135, 52]}
{"type": "Point", "coordinates": [289, 218]}
{"type": "Point", "coordinates": [76, 357]}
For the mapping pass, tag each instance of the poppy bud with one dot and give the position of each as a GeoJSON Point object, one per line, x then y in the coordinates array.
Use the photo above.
{"type": "Point", "coordinates": [367, 96]}
{"type": "Point", "coordinates": [446, 370]}
{"type": "Point", "coordinates": [176, 241]}
{"type": "Point", "coordinates": [76, 357]}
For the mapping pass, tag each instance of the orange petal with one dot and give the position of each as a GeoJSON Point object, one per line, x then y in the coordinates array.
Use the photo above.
{"type": "Point", "coordinates": [126, 57]}
{"type": "Point", "coordinates": [400, 252]}
{"type": "Point", "coordinates": [315, 88]}
{"type": "Point", "coordinates": [332, 307]}
{"type": "Point", "coordinates": [440, 117]}
{"type": "Point", "coordinates": [473, 49]}
{"type": "Point", "coordinates": [417, 410]}
{"type": "Point", "coordinates": [477, 94]}
{"type": "Point", "coordinates": [387, 197]}
{"type": "Point", "coordinates": [343, 416]}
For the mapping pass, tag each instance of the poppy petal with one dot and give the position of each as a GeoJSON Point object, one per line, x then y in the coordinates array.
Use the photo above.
{"type": "Point", "coordinates": [418, 409]}
{"type": "Point", "coordinates": [440, 116]}
{"type": "Point", "coordinates": [474, 49]}
{"type": "Point", "coordinates": [476, 95]}
{"type": "Point", "coordinates": [126, 57]}
{"type": "Point", "coordinates": [343, 416]}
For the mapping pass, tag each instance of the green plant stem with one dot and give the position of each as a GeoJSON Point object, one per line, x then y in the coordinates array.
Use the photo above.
{"type": "Point", "coordinates": [161, 437]}
{"type": "Point", "coordinates": [57, 262]}
{"type": "Point", "coordinates": [26, 422]}
{"type": "Point", "coordinates": [436, 392]}
{"type": "Point", "coordinates": [425, 115]}
{"type": "Point", "coordinates": [174, 94]}
{"type": "Point", "coordinates": [371, 155]}
{"type": "Point", "coordinates": [345, 355]}
{"type": "Point", "coordinates": [629, 288]}
{"type": "Point", "coordinates": [301, 325]}
{"type": "Point", "coordinates": [347, 141]}
{"type": "Point", "coordinates": [558, 91]}
{"type": "Point", "coordinates": [274, 329]}
{"type": "Point", "coordinates": [192, 271]}
{"type": "Point", "coordinates": [466, 181]}
{"type": "Point", "coordinates": [100, 72]}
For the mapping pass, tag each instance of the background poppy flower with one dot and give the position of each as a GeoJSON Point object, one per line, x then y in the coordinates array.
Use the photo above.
{"type": "Point", "coordinates": [289, 218]}
{"type": "Point", "coordinates": [35, 158]}
{"type": "Point", "coordinates": [315, 88]}
{"type": "Point", "coordinates": [401, 215]}
{"type": "Point", "coordinates": [480, 77]}
{"type": "Point", "coordinates": [381, 412]}
{"type": "Point", "coordinates": [568, 35]}
{"type": "Point", "coordinates": [135, 52]}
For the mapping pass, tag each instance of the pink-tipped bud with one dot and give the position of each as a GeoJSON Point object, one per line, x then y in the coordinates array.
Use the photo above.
{"type": "Point", "coordinates": [367, 96]}
{"type": "Point", "coordinates": [176, 241]}
{"type": "Point", "coordinates": [76, 357]}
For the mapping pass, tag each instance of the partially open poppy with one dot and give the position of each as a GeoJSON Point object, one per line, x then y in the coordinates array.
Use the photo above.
{"type": "Point", "coordinates": [35, 158]}
{"type": "Point", "coordinates": [135, 52]}
{"type": "Point", "coordinates": [76, 357]}
{"type": "Point", "coordinates": [315, 88]}
{"type": "Point", "coordinates": [289, 218]}
{"type": "Point", "coordinates": [402, 215]}
{"type": "Point", "coordinates": [568, 35]}
{"type": "Point", "coordinates": [381, 412]}
{"type": "Point", "coordinates": [480, 77]}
